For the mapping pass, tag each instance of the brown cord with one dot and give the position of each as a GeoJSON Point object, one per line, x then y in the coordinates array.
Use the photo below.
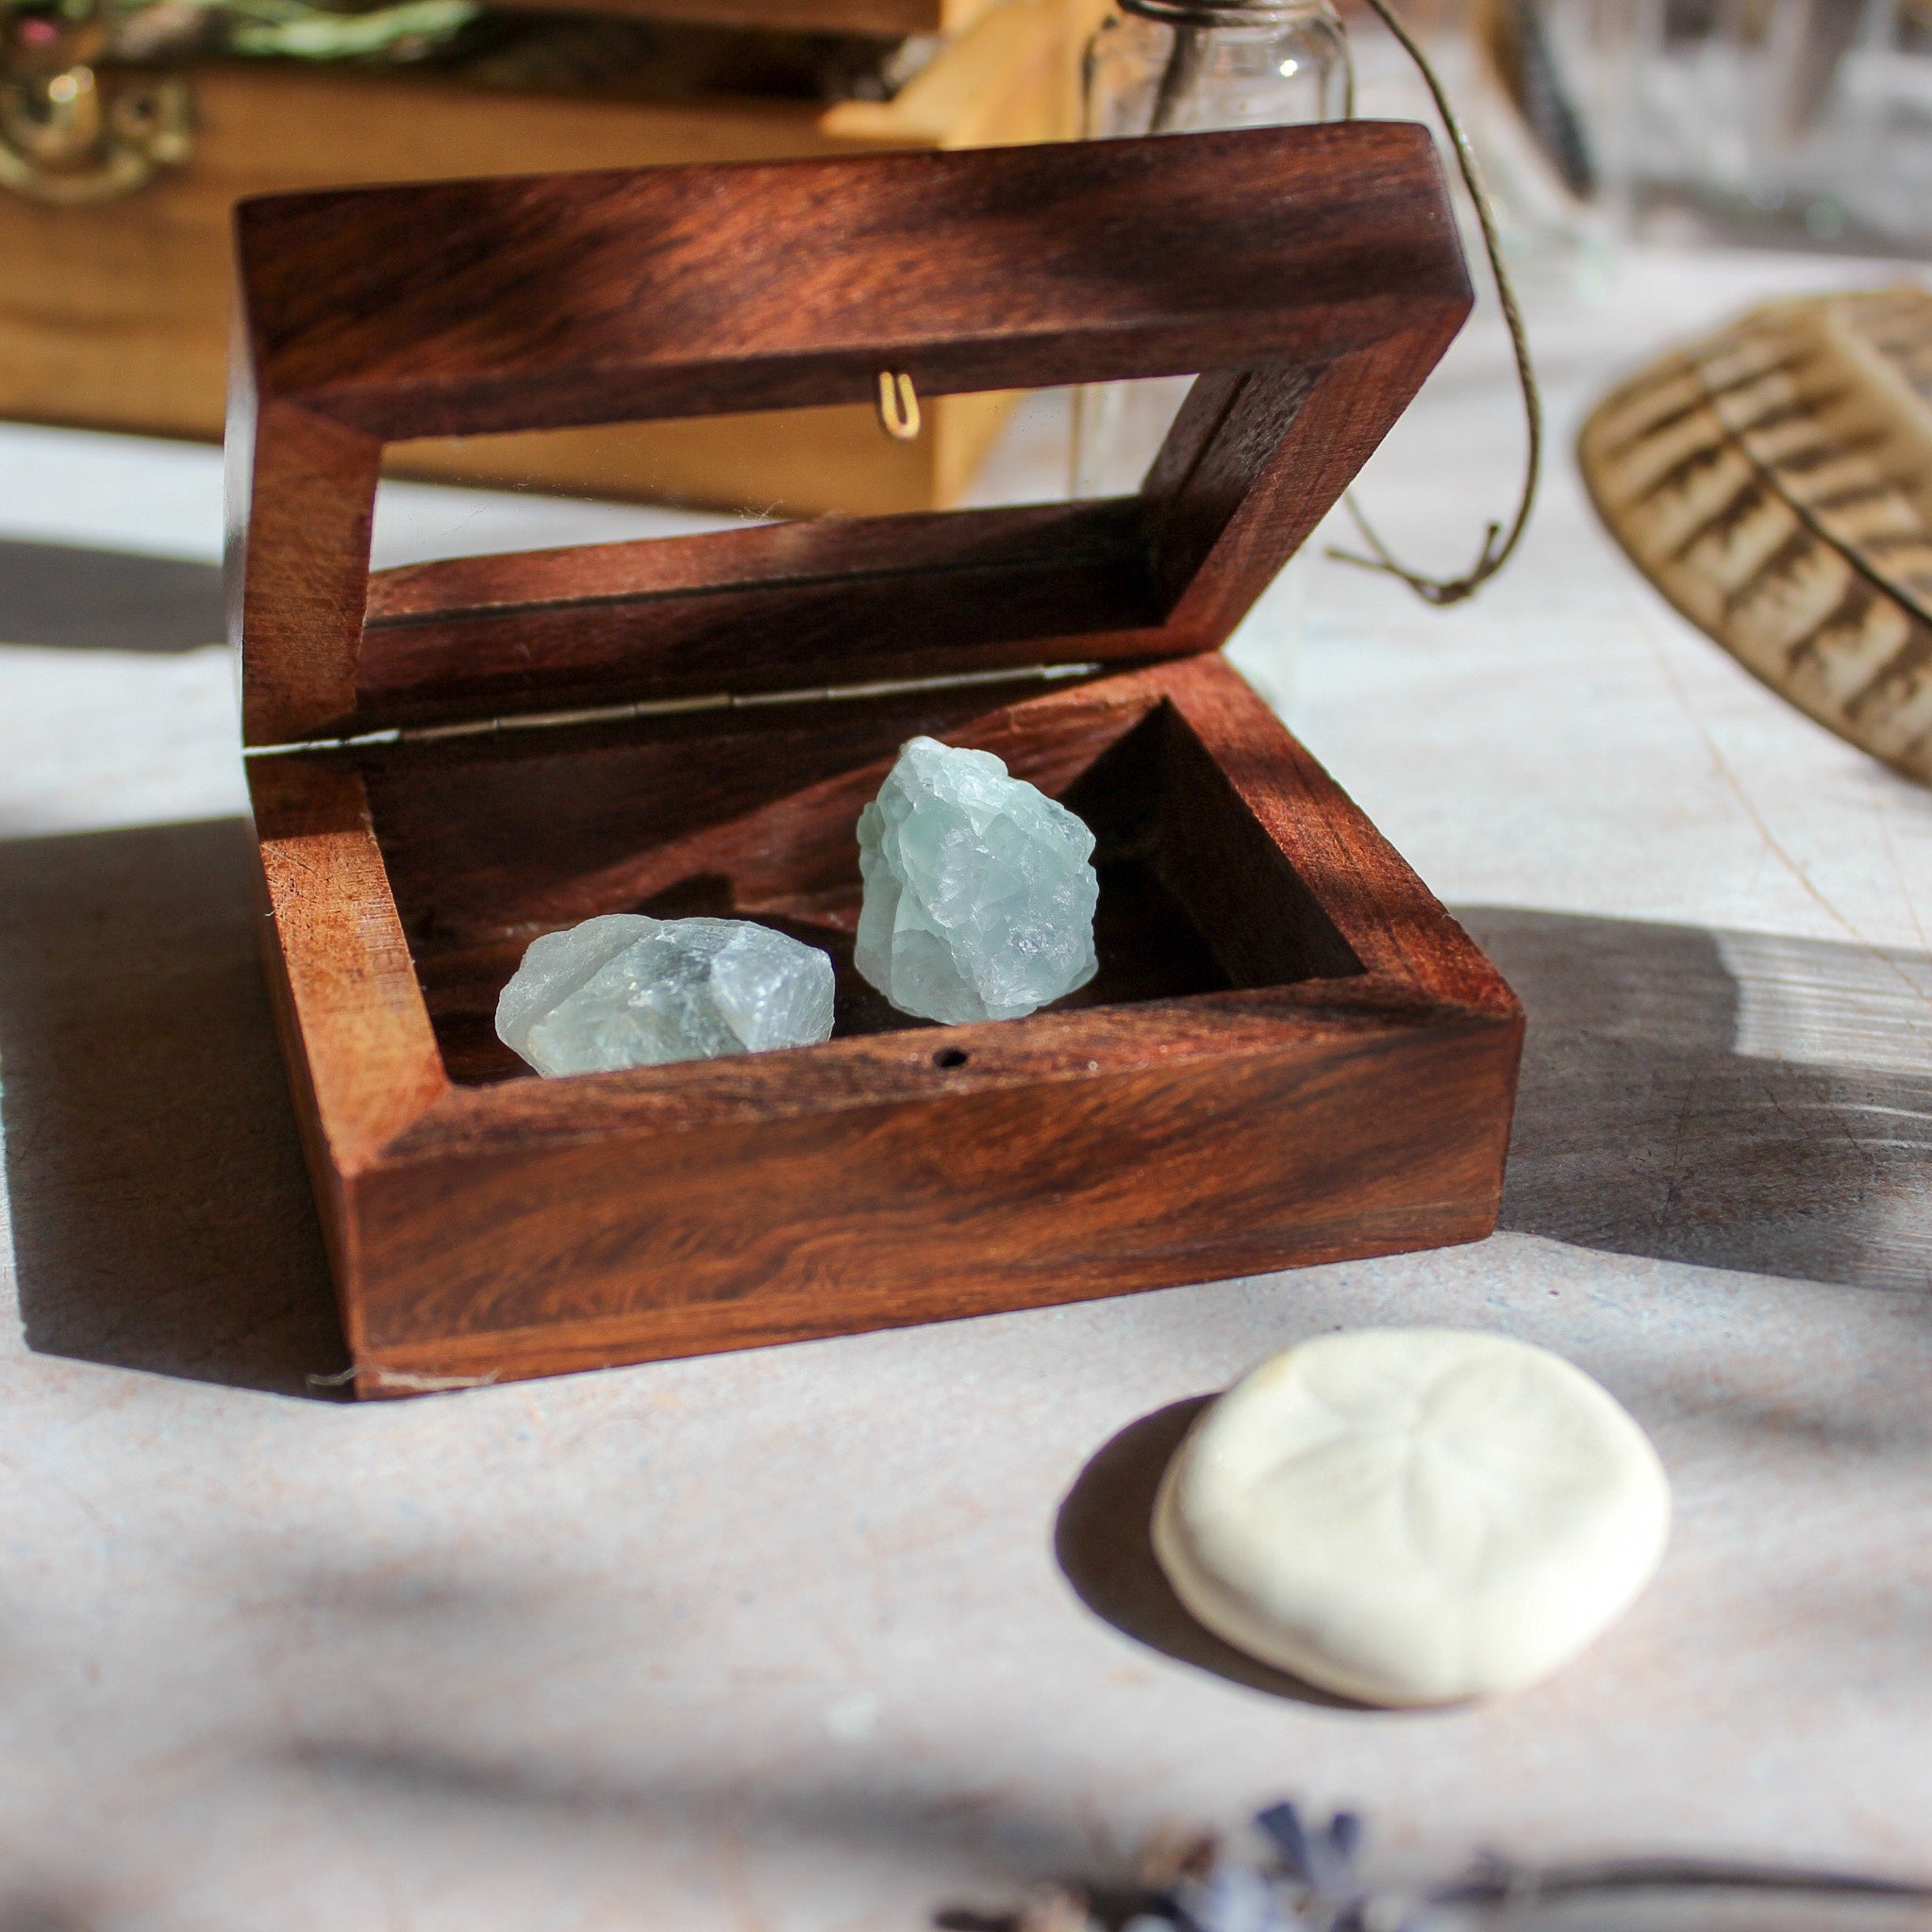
{"type": "Point", "coordinates": [1495, 553]}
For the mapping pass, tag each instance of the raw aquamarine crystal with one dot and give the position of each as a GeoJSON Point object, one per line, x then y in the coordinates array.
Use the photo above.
{"type": "Point", "coordinates": [627, 990]}
{"type": "Point", "coordinates": [978, 896]}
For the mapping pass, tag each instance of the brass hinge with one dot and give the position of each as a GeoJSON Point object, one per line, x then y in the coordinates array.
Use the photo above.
{"type": "Point", "coordinates": [72, 134]}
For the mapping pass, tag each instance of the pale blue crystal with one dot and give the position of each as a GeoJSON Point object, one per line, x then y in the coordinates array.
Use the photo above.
{"type": "Point", "coordinates": [628, 991]}
{"type": "Point", "coordinates": [978, 895]}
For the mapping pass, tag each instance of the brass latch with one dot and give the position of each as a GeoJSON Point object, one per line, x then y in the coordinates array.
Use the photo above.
{"type": "Point", "coordinates": [71, 134]}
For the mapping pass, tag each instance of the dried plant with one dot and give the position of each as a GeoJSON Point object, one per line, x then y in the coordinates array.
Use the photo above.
{"type": "Point", "coordinates": [1297, 1875]}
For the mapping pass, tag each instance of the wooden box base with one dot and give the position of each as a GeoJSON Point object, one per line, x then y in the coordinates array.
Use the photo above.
{"type": "Point", "coordinates": [1291, 1054]}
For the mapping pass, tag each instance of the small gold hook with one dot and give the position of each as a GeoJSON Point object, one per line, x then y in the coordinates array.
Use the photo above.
{"type": "Point", "coordinates": [898, 407]}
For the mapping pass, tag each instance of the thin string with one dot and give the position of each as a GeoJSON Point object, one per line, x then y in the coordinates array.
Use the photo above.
{"type": "Point", "coordinates": [1496, 546]}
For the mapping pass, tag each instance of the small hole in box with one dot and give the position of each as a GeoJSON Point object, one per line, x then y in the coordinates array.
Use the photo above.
{"type": "Point", "coordinates": [951, 1056]}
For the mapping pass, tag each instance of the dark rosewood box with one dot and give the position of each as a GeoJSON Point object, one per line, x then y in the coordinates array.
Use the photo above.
{"type": "Point", "coordinates": [1291, 1054]}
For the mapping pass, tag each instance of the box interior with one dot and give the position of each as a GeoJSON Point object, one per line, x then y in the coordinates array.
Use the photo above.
{"type": "Point", "coordinates": [751, 813]}
{"type": "Point", "coordinates": [587, 56]}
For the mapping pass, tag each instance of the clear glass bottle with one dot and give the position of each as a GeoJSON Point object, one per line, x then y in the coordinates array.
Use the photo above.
{"type": "Point", "coordinates": [1192, 67]}
{"type": "Point", "coordinates": [1173, 67]}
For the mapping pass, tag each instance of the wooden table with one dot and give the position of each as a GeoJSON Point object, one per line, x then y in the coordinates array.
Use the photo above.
{"type": "Point", "coordinates": [835, 1635]}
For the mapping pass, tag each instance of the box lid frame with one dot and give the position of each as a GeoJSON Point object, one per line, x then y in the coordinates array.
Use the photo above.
{"type": "Point", "coordinates": [1314, 274]}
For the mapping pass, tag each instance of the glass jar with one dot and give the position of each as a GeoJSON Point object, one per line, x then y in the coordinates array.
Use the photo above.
{"type": "Point", "coordinates": [1168, 67]}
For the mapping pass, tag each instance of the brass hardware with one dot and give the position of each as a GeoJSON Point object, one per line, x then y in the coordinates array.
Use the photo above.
{"type": "Point", "coordinates": [70, 135]}
{"type": "Point", "coordinates": [898, 407]}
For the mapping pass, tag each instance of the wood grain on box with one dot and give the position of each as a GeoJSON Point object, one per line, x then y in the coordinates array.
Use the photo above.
{"type": "Point", "coordinates": [1289, 1054]}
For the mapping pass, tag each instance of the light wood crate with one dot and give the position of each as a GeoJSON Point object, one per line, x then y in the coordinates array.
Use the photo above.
{"type": "Point", "coordinates": [116, 316]}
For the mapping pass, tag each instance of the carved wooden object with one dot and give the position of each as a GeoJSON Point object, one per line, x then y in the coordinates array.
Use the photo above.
{"type": "Point", "coordinates": [1291, 1054]}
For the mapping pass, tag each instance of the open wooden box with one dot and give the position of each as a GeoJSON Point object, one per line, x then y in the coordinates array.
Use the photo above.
{"type": "Point", "coordinates": [1291, 1054]}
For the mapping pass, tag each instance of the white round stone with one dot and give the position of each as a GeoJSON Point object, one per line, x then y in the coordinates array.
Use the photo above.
{"type": "Point", "coordinates": [1411, 1516]}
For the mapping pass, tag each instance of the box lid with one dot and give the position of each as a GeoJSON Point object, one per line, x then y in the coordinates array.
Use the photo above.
{"type": "Point", "coordinates": [1314, 274]}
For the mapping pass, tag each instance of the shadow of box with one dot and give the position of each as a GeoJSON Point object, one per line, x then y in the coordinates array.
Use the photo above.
{"type": "Point", "coordinates": [1290, 1053]}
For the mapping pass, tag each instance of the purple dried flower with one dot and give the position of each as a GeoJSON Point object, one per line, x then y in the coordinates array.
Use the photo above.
{"type": "Point", "coordinates": [1306, 1880]}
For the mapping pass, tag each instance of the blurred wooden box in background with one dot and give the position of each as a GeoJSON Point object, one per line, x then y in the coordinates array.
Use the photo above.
{"type": "Point", "coordinates": [115, 314]}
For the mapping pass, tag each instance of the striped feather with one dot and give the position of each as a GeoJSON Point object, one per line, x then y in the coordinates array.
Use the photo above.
{"type": "Point", "coordinates": [1775, 482]}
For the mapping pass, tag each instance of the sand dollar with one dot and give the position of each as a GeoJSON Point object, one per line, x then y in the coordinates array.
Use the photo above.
{"type": "Point", "coordinates": [1412, 1516]}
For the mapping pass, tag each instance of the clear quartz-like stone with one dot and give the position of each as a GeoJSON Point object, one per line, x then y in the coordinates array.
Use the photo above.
{"type": "Point", "coordinates": [628, 991]}
{"type": "Point", "coordinates": [978, 894]}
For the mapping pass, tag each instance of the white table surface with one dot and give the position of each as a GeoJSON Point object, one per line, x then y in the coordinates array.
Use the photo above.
{"type": "Point", "coordinates": [782, 1640]}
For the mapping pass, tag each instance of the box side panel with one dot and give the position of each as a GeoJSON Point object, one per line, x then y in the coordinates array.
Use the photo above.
{"type": "Point", "coordinates": [487, 1265]}
{"type": "Point", "coordinates": [1255, 783]}
{"type": "Point", "coordinates": [362, 1049]}
{"type": "Point", "coordinates": [331, 1205]}
{"type": "Point", "coordinates": [1263, 245]}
